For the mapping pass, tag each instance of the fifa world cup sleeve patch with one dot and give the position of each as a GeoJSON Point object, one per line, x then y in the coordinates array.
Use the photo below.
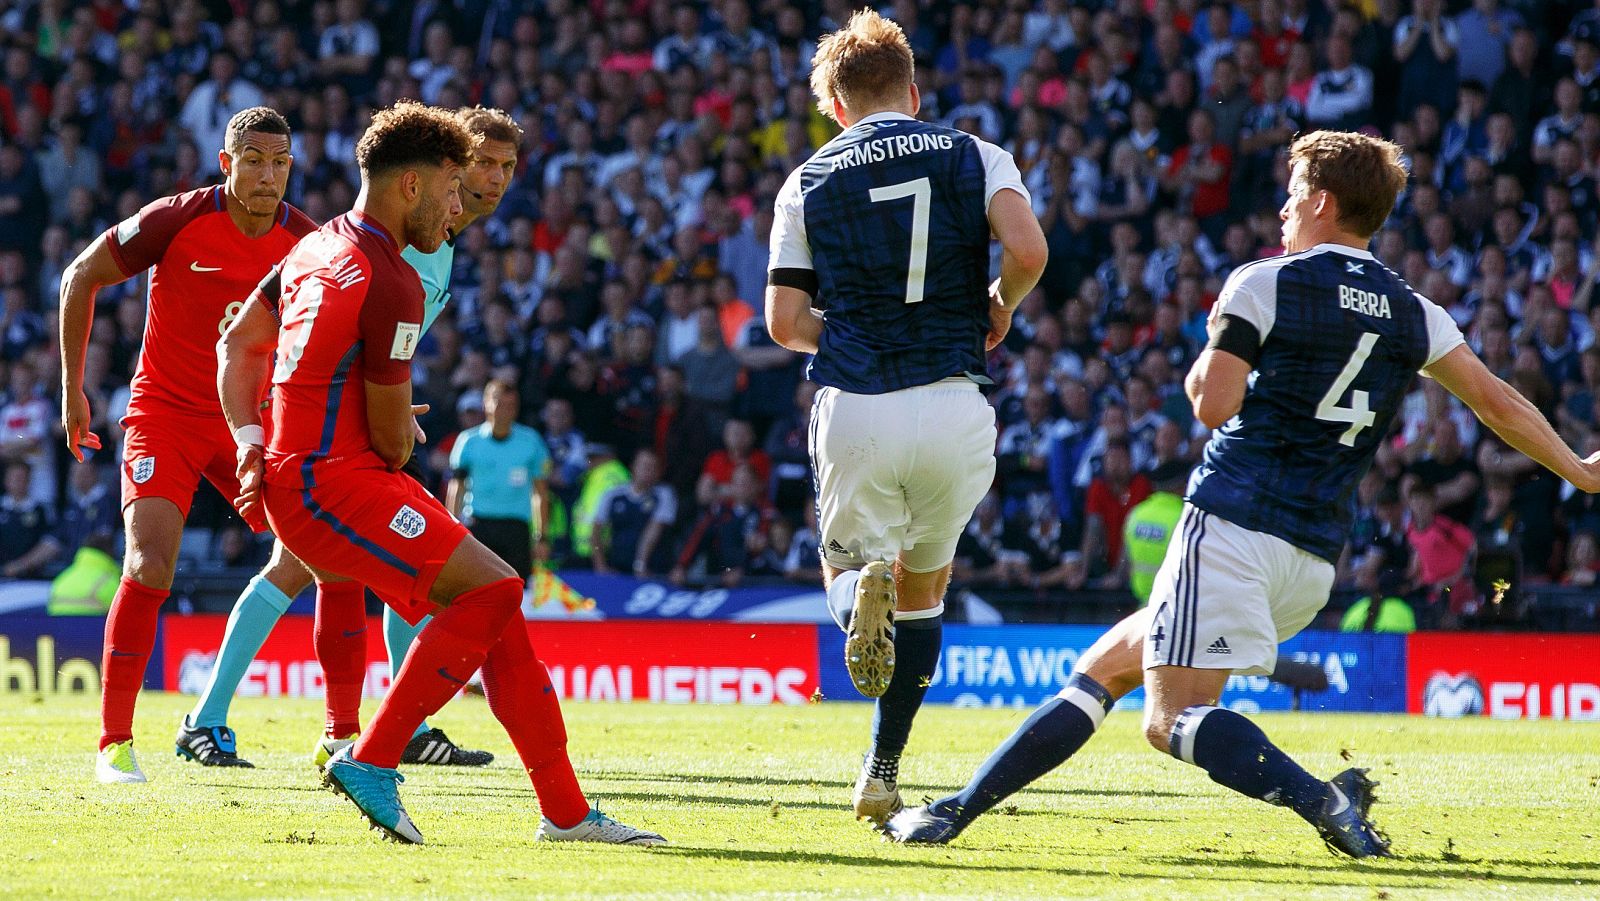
{"type": "Point", "coordinates": [405, 340]}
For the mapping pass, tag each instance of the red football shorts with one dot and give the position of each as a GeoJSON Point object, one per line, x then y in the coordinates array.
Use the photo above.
{"type": "Point", "coordinates": [376, 527]}
{"type": "Point", "coordinates": [165, 454]}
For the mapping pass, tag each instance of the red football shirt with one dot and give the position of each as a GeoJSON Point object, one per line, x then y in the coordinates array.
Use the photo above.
{"type": "Point", "coordinates": [205, 268]}
{"type": "Point", "coordinates": [351, 312]}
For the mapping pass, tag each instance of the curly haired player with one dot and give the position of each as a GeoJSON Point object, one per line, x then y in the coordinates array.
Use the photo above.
{"type": "Point", "coordinates": [343, 425]}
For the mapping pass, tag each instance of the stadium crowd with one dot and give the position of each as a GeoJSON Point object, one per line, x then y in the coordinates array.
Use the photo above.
{"type": "Point", "coordinates": [619, 286]}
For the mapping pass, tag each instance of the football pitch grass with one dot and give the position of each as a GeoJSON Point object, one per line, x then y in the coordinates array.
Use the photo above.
{"type": "Point", "coordinates": [755, 802]}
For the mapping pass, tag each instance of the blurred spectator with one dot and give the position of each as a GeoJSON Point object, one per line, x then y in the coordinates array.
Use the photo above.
{"type": "Point", "coordinates": [1445, 469]}
{"type": "Point", "coordinates": [711, 374]}
{"type": "Point", "coordinates": [681, 432]}
{"type": "Point", "coordinates": [27, 423]}
{"type": "Point", "coordinates": [27, 543]}
{"type": "Point", "coordinates": [213, 102]}
{"type": "Point", "coordinates": [22, 201]}
{"type": "Point", "coordinates": [631, 519]}
{"type": "Point", "coordinates": [1112, 494]}
{"type": "Point", "coordinates": [1151, 525]}
{"type": "Point", "coordinates": [732, 536]}
{"type": "Point", "coordinates": [1583, 561]}
{"type": "Point", "coordinates": [1440, 551]}
{"type": "Point", "coordinates": [1341, 93]}
{"type": "Point", "coordinates": [1023, 457]}
{"type": "Point", "coordinates": [738, 449]}
{"type": "Point", "coordinates": [92, 509]}
{"type": "Point", "coordinates": [1387, 613]}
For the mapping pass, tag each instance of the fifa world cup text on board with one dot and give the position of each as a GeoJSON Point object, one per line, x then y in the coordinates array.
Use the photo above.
{"type": "Point", "coordinates": [1364, 302]}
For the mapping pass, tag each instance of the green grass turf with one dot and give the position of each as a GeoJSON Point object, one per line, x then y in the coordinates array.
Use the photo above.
{"type": "Point", "coordinates": [755, 803]}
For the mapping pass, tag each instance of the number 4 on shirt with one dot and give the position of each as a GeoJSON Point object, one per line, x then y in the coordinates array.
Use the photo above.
{"type": "Point", "coordinates": [1358, 414]}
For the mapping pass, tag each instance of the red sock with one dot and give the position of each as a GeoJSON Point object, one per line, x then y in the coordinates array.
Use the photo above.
{"type": "Point", "coordinates": [130, 635]}
{"type": "Point", "coordinates": [522, 699]}
{"type": "Point", "coordinates": [341, 641]}
{"type": "Point", "coordinates": [439, 664]}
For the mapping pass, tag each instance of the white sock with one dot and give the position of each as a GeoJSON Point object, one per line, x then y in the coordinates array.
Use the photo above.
{"type": "Point", "coordinates": [842, 597]}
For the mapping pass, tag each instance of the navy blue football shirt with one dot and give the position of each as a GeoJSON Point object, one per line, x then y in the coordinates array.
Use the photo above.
{"type": "Point", "coordinates": [892, 216]}
{"type": "Point", "coordinates": [1341, 338]}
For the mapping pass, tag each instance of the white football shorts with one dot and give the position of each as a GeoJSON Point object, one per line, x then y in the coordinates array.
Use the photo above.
{"type": "Point", "coordinates": [899, 474]}
{"type": "Point", "coordinates": [1226, 596]}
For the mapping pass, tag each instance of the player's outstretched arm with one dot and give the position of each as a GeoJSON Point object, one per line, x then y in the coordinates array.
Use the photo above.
{"type": "Point", "coordinates": [84, 277]}
{"type": "Point", "coordinates": [1513, 417]}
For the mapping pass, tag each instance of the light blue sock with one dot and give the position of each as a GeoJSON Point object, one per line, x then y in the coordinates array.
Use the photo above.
{"type": "Point", "coordinates": [397, 637]}
{"type": "Point", "coordinates": [255, 613]}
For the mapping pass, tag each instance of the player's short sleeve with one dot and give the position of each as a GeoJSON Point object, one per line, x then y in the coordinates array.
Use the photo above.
{"type": "Point", "coordinates": [458, 452]}
{"type": "Point", "coordinates": [788, 247]}
{"type": "Point", "coordinates": [391, 324]}
{"type": "Point", "coordinates": [539, 458]}
{"type": "Point", "coordinates": [1250, 293]}
{"type": "Point", "coordinates": [269, 293]}
{"type": "Point", "coordinates": [1443, 333]}
{"type": "Point", "coordinates": [999, 172]}
{"type": "Point", "coordinates": [141, 240]}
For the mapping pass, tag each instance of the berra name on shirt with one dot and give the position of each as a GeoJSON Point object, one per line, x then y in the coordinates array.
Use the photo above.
{"type": "Point", "coordinates": [1366, 303]}
{"type": "Point", "coordinates": [892, 147]}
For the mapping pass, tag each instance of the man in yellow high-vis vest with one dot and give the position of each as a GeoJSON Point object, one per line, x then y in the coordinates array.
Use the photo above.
{"type": "Point", "coordinates": [1150, 525]}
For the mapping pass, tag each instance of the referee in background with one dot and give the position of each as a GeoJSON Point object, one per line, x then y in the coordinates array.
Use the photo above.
{"type": "Point", "coordinates": [500, 481]}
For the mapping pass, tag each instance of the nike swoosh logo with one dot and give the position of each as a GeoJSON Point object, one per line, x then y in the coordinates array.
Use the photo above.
{"type": "Point", "coordinates": [117, 653]}
{"type": "Point", "coordinates": [447, 675]}
{"type": "Point", "coordinates": [196, 267]}
{"type": "Point", "coordinates": [355, 633]}
{"type": "Point", "coordinates": [1343, 802]}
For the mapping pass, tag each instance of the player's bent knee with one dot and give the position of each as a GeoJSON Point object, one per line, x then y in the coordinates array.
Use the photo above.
{"type": "Point", "coordinates": [471, 566]}
{"type": "Point", "coordinates": [1158, 731]}
{"type": "Point", "coordinates": [288, 575]}
{"type": "Point", "coordinates": [155, 531]}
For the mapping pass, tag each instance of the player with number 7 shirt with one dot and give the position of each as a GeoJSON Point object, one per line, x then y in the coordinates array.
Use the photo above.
{"type": "Point", "coordinates": [206, 250]}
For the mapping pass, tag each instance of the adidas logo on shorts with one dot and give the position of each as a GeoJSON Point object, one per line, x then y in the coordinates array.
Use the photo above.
{"type": "Point", "coordinates": [836, 547]}
{"type": "Point", "coordinates": [1220, 646]}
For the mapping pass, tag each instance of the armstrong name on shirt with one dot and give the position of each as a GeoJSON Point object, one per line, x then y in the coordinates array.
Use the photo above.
{"type": "Point", "coordinates": [892, 147]}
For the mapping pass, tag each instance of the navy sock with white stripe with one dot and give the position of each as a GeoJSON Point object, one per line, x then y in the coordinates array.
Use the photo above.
{"type": "Point", "coordinates": [1235, 752]}
{"type": "Point", "coordinates": [1043, 742]}
{"type": "Point", "coordinates": [917, 640]}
